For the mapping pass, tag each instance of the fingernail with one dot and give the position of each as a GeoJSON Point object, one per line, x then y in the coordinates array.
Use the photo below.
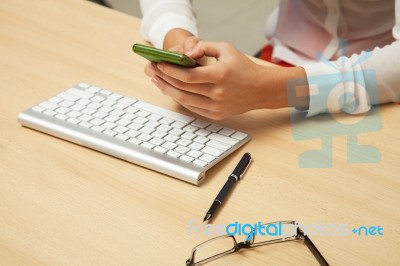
{"type": "Point", "coordinates": [155, 80]}
{"type": "Point", "coordinates": [152, 66]}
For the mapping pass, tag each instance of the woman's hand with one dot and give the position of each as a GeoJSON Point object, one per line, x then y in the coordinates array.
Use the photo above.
{"type": "Point", "coordinates": [233, 85]}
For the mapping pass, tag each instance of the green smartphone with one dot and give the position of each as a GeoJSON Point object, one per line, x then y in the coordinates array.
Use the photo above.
{"type": "Point", "coordinates": [158, 55]}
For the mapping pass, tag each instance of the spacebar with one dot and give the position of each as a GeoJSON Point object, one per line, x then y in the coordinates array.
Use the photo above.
{"type": "Point", "coordinates": [163, 112]}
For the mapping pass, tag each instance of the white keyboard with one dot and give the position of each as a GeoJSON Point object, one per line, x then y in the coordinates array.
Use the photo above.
{"type": "Point", "coordinates": [162, 140]}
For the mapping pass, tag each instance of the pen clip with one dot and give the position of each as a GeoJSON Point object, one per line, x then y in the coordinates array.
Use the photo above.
{"type": "Point", "coordinates": [245, 169]}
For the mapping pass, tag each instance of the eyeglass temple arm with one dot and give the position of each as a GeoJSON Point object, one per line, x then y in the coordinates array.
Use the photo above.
{"type": "Point", "coordinates": [322, 261]}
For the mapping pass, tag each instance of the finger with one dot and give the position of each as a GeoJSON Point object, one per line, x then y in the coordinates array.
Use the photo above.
{"type": "Point", "coordinates": [197, 88]}
{"type": "Point", "coordinates": [180, 96]}
{"type": "Point", "coordinates": [190, 43]}
{"type": "Point", "coordinates": [203, 74]}
{"type": "Point", "coordinates": [210, 49]}
{"type": "Point", "coordinates": [150, 69]}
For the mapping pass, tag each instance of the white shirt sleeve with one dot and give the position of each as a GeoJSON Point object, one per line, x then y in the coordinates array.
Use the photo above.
{"type": "Point", "coordinates": [353, 84]}
{"type": "Point", "coordinates": [161, 16]}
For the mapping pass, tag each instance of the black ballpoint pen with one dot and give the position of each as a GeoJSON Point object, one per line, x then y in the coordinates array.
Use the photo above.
{"type": "Point", "coordinates": [237, 173]}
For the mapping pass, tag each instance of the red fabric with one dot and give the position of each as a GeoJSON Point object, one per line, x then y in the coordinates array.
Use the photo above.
{"type": "Point", "coordinates": [266, 54]}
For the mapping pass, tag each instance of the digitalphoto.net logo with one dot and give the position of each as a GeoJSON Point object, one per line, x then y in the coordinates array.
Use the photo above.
{"type": "Point", "coordinates": [281, 230]}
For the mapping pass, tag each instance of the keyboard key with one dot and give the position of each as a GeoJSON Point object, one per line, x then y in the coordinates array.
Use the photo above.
{"type": "Point", "coordinates": [143, 113]}
{"type": "Point", "coordinates": [67, 96]}
{"type": "Point", "coordinates": [77, 107]}
{"type": "Point", "coordinates": [55, 99]}
{"type": "Point", "coordinates": [85, 124]}
{"type": "Point", "coordinates": [199, 162]}
{"type": "Point", "coordinates": [147, 145]}
{"type": "Point", "coordinates": [63, 110]}
{"type": "Point", "coordinates": [186, 158]}
{"type": "Point", "coordinates": [79, 93]}
{"type": "Point", "coordinates": [120, 129]}
{"type": "Point", "coordinates": [132, 133]}
{"type": "Point", "coordinates": [97, 121]}
{"type": "Point", "coordinates": [182, 149]}
{"type": "Point", "coordinates": [201, 139]}
{"type": "Point", "coordinates": [207, 158]}
{"type": "Point", "coordinates": [105, 92]}
{"type": "Point", "coordinates": [166, 121]}
{"type": "Point", "coordinates": [200, 123]}
{"type": "Point", "coordinates": [159, 134]}
{"type": "Point", "coordinates": [140, 120]}
{"type": "Point", "coordinates": [154, 117]}
{"type": "Point", "coordinates": [194, 154]}
{"type": "Point", "coordinates": [110, 132]}
{"type": "Point", "coordinates": [196, 146]}
{"type": "Point", "coordinates": [38, 109]}
{"type": "Point", "coordinates": [83, 85]}
{"type": "Point", "coordinates": [111, 118]}
{"type": "Point", "coordinates": [219, 145]}
{"type": "Point", "coordinates": [190, 128]}
{"type": "Point", "coordinates": [91, 89]}
{"type": "Point", "coordinates": [160, 149]}
{"type": "Point", "coordinates": [212, 151]}
{"type": "Point", "coordinates": [203, 132]}
{"type": "Point", "coordinates": [144, 137]}
{"type": "Point", "coordinates": [66, 103]}
{"type": "Point", "coordinates": [135, 126]}
{"type": "Point", "coordinates": [123, 122]}
{"type": "Point", "coordinates": [173, 154]}
{"type": "Point", "coordinates": [188, 136]}
{"type": "Point", "coordinates": [100, 114]}
{"type": "Point", "coordinates": [183, 142]}
{"type": "Point", "coordinates": [214, 128]}
{"type": "Point", "coordinates": [171, 138]}
{"type": "Point", "coordinates": [114, 96]}
{"type": "Point", "coordinates": [178, 125]}
{"type": "Point", "coordinates": [135, 141]}
{"type": "Point", "coordinates": [122, 137]}
{"type": "Point", "coordinates": [49, 112]}
{"type": "Point", "coordinates": [108, 125]}
{"type": "Point", "coordinates": [49, 105]}
{"type": "Point", "coordinates": [169, 145]}
{"type": "Point", "coordinates": [120, 106]}
{"type": "Point", "coordinates": [224, 139]}
{"type": "Point", "coordinates": [157, 141]}
{"type": "Point", "coordinates": [73, 121]}
{"type": "Point", "coordinates": [61, 116]}
{"type": "Point", "coordinates": [147, 130]}
{"type": "Point", "coordinates": [226, 131]}
{"type": "Point", "coordinates": [239, 135]}
{"type": "Point", "coordinates": [127, 100]}
{"type": "Point", "coordinates": [164, 128]}
{"type": "Point", "coordinates": [97, 98]}
{"type": "Point", "coordinates": [85, 117]}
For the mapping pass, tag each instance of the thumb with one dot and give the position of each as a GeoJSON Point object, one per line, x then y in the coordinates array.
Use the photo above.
{"type": "Point", "coordinates": [190, 43]}
{"type": "Point", "coordinates": [210, 49]}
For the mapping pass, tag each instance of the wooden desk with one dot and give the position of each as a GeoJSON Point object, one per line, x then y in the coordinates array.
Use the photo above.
{"type": "Point", "coordinates": [62, 204]}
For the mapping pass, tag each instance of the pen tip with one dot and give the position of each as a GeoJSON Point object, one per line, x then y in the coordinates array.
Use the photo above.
{"type": "Point", "coordinates": [207, 217]}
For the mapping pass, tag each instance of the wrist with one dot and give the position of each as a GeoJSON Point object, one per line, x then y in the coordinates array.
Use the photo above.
{"type": "Point", "coordinates": [274, 82]}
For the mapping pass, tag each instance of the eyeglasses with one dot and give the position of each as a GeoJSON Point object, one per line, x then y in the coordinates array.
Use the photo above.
{"type": "Point", "coordinates": [224, 245]}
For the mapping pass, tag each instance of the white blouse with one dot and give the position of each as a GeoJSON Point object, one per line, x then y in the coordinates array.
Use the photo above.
{"type": "Point", "coordinates": [315, 37]}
